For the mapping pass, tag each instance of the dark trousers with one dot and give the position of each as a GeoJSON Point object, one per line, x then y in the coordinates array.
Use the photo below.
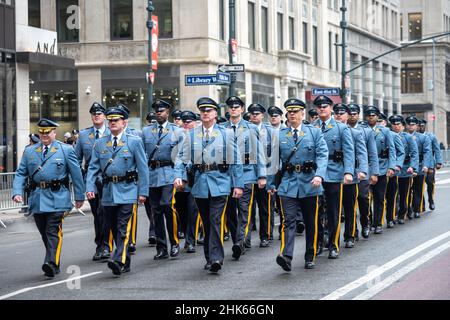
{"type": "Point", "coordinates": [50, 228]}
{"type": "Point", "coordinates": [264, 200]}
{"type": "Point", "coordinates": [379, 200]}
{"type": "Point", "coordinates": [100, 225]}
{"type": "Point", "coordinates": [239, 212]}
{"type": "Point", "coordinates": [333, 203]}
{"type": "Point", "coordinates": [134, 222]}
{"type": "Point", "coordinates": [151, 218]}
{"type": "Point", "coordinates": [162, 202]}
{"type": "Point", "coordinates": [430, 181]}
{"type": "Point", "coordinates": [350, 204]}
{"type": "Point", "coordinates": [119, 220]}
{"type": "Point", "coordinates": [289, 209]}
{"type": "Point", "coordinates": [391, 199]}
{"type": "Point", "coordinates": [187, 212]}
{"type": "Point", "coordinates": [404, 193]}
{"type": "Point", "coordinates": [418, 189]}
{"type": "Point", "coordinates": [212, 212]}
{"type": "Point", "coordinates": [364, 202]}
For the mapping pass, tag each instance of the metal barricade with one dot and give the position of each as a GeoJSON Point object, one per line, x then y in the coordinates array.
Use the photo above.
{"type": "Point", "coordinates": [6, 202]}
{"type": "Point", "coordinates": [445, 157]}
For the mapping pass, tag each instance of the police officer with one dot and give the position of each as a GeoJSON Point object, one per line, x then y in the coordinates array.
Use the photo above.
{"type": "Point", "coordinates": [313, 115]}
{"type": "Point", "coordinates": [437, 163]}
{"type": "Point", "coordinates": [409, 168]}
{"type": "Point", "coordinates": [392, 185]}
{"type": "Point", "coordinates": [120, 159]}
{"type": "Point", "coordinates": [263, 199]}
{"type": "Point", "coordinates": [341, 167]}
{"type": "Point", "coordinates": [176, 116]}
{"type": "Point", "coordinates": [161, 141]}
{"type": "Point", "coordinates": [372, 178]}
{"type": "Point", "coordinates": [425, 162]}
{"type": "Point", "coordinates": [246, 137]}
{"type": "Point", "coordinates": [387, 164]}
{"type": "Point", "coordinates": [150, 118]}
{"type": "Point", "coordinates": [47, 166]}
{"type": "Point", "coordinates": [303, 157]}
{"type": "Point", "coordinates": [350, 196]}
{"type": "Point", "coordinates": [212, 153]}
{"type": "Point", "coordinates": [275, 115]}
{"type": "Point", "coordinates": [83, 149]}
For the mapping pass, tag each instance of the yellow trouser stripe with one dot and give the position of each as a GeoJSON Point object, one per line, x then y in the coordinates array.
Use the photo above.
{"type": "Point", "coordinates": [394, 214]}
{"type": "Point", "coordinates": [226, 224]}
{"type": "Point", "coordinates": [354, 211]}
{"type": "Point", "coordinates": [369, 209]}
{"type": "Point", "coordinates": [384, 203]}
{"type": "Point", "coordinates": [197, 226]}
{"type": "Point", "coordinates": [111, 239]}
{"type": "Point", "coordinates": [125, 243]}
{"type": "Point", "coordinates": [249, 220]}
{"type": "Point", "coordinates": [282, 228]}
{"type": "Point", "coordinates": [268, 219]}
{"type": "Point", "coordinates": [174, 217]}
{"type": "Point", "coordinates": [133, 230]}
{"type": "Point", "coordinates": [316, 227]}
{"type": "Point", "coordinates": [338, 231]}
{"type": "Point", "coordinates": [58, 249]}
{"type": "Point", "coordinates": [222, 221]}
{"type": "Point", "coordinates": [422, 194]}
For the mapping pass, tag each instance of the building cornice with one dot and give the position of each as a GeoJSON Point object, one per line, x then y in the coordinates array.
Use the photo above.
{"type": "Point", "coordinates": [369, 35]}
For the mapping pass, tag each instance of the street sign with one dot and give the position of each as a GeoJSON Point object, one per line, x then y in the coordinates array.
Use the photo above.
{"type": "Point", "coordinates": [325, 91]}
{"type": "Point", "coordinates": [207, 79]}
{"type": "Point", "coordinates": [231, 68]}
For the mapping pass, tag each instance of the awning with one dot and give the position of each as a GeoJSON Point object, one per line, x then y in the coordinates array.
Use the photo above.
{"type": "Point", "coordinates": [44, 62]}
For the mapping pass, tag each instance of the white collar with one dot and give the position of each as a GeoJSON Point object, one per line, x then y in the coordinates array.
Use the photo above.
{"type": "Point", "coordinates": [119, 136]}
{"type": "Point", "coordinates": [326, 122]}
{"type": "Point", "coordinates": [164, 125]}
{"type": "Point", "coordinates": [299, 128]}
{"type": "Point", "coordinates": [101, 130]}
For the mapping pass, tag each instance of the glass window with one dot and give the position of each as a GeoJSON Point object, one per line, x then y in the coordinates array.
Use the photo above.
{"type": "Point", "coordinates": [315, 46]}
{"type": "Point", "coordinates": [305, 37]}
{"type": "Point", "coordinates": [163, 9]}
{"type": "Point", "coordinates": [401, 27]}
{"type": "Point", "coordinates": [121, 19]}
{"type": "Point", "coordinates": [291, 33]}
{"type": "Point", "coordinates": [251, 25]}
{"type": "Point", "coordinates": [415, 26]}
{"type": "Point", "coordinates": [34, 13]}
{"type": "Point", "coordinates": [67, 20]}
{"type": "Point", "coordinates": [336, 49]}
{"type": "Point", "coordinates": [412, 78]}
{"type": "Point", "coordinates": [280, 31]}
{"type": "Point", "coordinates": [330, 50]}
{"type": "Point", "coordinates": [305, 10]}
{"type": "Point", "coordinates": [447, 77]}
{"type": "Point", "coordinates": [221, 19]}
{"type": "Point", "coordinates": [264, 29]}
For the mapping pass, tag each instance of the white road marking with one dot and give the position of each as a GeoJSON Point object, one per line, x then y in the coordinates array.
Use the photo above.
{"type": "Point", "coordinates": [444, 181]}
{"type": "Point", "coordinates": [439, 172]}
{"type": "Point", "coordinates": [380, 286]}
{"type": "Point", "coordinates": [339, 293]}
{"type": "Point", "coordinates": [70, 279]}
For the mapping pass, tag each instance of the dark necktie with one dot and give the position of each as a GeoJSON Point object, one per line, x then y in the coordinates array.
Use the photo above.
{"type": "Point", "coordinates": [295, 135]}
{"type": "Point", "coordinates": [160, 131]}
{"type": "Point", "coordinates": [207, 136]}
{"type": "Point", "coordinates": [234, 130]}
{"type": "Point", "coordinates": [97, 134]}
{"type": "Point", "coordinates": [323, 126]}
{"type": "Point", "coordinates": [45, 151]}
{"type": "Point", "coordinates": [115, 143]}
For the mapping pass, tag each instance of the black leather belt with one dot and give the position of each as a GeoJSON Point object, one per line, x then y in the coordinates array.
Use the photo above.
{"type": "Point", "coordinates": [55, 185]}
{"type": "Point", "coordinates": [131, 176]}
{"type": "Point", "coordinates": [211, 167]}
{"type": "Point", "coordinates": [155, 164]}
{"type": "Point", "coordinates": [307, 167]}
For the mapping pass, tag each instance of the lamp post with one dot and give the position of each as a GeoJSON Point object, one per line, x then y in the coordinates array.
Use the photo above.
{"type": "Point", "coordinates": [231, 42]}
{"type": "Point", "coordinates": [343, 44]}
{"type": "Point", "coordinates": [150, 10]}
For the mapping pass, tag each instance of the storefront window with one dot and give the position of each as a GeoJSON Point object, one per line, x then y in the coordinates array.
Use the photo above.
{"type": "Point", "coordinates": [263, 89]}
{"type": "Point", "coordinates": [163, 9]}
{"type": "Point", "coordinates": [121, 19]}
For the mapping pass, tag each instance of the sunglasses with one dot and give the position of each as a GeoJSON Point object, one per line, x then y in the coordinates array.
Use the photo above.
{"type": "Point", "coordinates": [323, 106]}
{"type": "Point", "coordinates": [234, 106]}
{"type": "Point", "coordinates": [188, 121]}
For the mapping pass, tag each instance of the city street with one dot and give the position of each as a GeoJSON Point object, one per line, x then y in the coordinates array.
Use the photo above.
{"type": "Point", "coordinates": [410, 261]}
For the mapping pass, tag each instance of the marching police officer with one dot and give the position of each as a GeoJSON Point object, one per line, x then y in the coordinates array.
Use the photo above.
{"type": "Point", "coordinates": [341, 167]}
{"type": "Point", "coordinates": [387, 164]}
{"type": "Point", "coordinates": [409, 168]}
{"type": "Point", "coordinates": [350, 196]}
{"type": "Point", "coordinates": [313, 115]}
{"type": "Point", "coordinates": [372, 178]}
{"type": "Point", "coordinates": [246, 137]}
{"type": "Point", "coordinates": [150, 118]}
{"type": "Point", "coordinates": [83, 149]}
{"type": "Point", "coordinates": [275, 115]}
{"type": "Point", "coordinates": [47, 166]}
{"type": "Point", "coordinates": [262, 197]}
{"type": "Point", "coordinates": [425, 163]}
{"type": "Point", "coordinates": [437, 161]}
{"type": "Point", "coordinates": [304, 156]}
{"type": "Point", "coordinates": [161, 142]}
{"type": "Point", "coordinates": [211, 152]}
{"type": "Point", "coordinates": [176, 116]}
{"type": "Point", "coordinates": [120, 159]}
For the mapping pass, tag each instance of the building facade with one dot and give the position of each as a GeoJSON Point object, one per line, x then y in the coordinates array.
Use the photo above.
{"type": "Point", "coordinates": [421, 95]}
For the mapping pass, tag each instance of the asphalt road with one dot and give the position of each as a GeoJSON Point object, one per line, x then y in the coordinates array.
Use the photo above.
{"type": "Point", "coordinates": [411, 261]}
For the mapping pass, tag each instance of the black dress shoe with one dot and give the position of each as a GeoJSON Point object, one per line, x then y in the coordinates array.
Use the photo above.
{"type": "Point", "coordinates": [201, 240]}
{"type": "Point", "coordinates": [226, 236]}
{"type": "Point", "coordinates": [390, 224]}
{"type": "Point", "coordinates": [106, 255]}
{"type": "Point", "coordinates": [152, 241]}
{"type": "Point", "coordinates": [349, 244]}
{"type": "Point", "coordinates": [97, 256]}
{"type": "Point", "coordinates": [410, 215]}
{"type": "Point", "coordinates": [237, 251]}
{"type": "Point", "coordinates": [378, 230]}
{"type": "Point", "coordinates": [401, 221]}
{"type": "Point", "coordinates": [333, 254]}
{"type": "Point", "coordinates": [181, 235]}
{"type": "Point", "coordinates": [319, 250]}
{"type": "Point", "coordinates": [115, 267]}
{"type": "Point", "coordinates": [132, 248]}
{"type": "Point", "coordinates": [161, 254]}
{"type": "Point", "coordinates": [174, 251]}
{"type": "Point", "coordinates": [49, 269]}
{"type": "Point", "coordinates": [125, 269]}
{"type": "Point", "coordinates": [372, 229]}
{"type": "Point", "coordinates": [264, 243]}
{"type": "Point", "coordinates": [190, 248]}
{"type": "Point", "coordinates": [416, 215]}
{"type": "Point", "coordinates": [247, 244]}
{"type": "Point", "coordinates": [207, 266]}
{"type": "Point", "coordinates": [432, 206]}
{"type": "Point", "coordinates": [300, 228]}
{"type": "Point", "coordinates": [215, 267]}
{"type": "Point", "coordinates": [366, 232]}
{"type": "Point", "coordinates": [309, 265]}
{"type": "Point", "coordinates": [284, 262]}
{"type": "Point", "coordinates": [342, 218]}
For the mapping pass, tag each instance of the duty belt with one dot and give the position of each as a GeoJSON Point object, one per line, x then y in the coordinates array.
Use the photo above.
{"type": "Point", "coordinates": [337, 156]}
{"type": "Point", "coordinates": [306, 167]}
{"type": "Point", "coordinates": [155, 164]}
{"type": "Point", "coordinates": [55, 185]}
{"type": "Point", "coordinates": [407, 159]}
{"type": "Point", "coordinates": [211, 167]}
{"type": "Point", "coordinates": [421, 158]}
{"type": "Point", "coordinates": [384, 154]}
{"type": "Point", "coordinates": [131, 176]}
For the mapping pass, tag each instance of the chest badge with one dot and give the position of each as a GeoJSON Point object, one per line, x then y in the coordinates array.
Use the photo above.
{"type": "Point", "coordinates": [91, 136]}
